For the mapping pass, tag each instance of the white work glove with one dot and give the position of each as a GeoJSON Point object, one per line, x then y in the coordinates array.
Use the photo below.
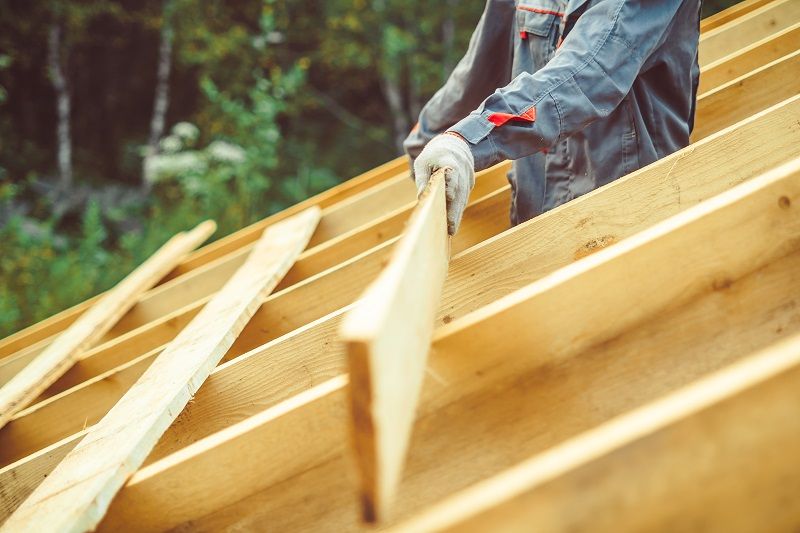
{"type": "Point", "coordinates": [452, 154]}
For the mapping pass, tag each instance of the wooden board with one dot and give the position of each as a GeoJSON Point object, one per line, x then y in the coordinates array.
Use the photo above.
{"type": "Point", "coordinates": [532, 250]}
{"type": "Point", "coordinates": [727, 15]}
{"type": "Point", "coordinates": [59, 356]}
{"type": "Point", "coordinates": [749, 58]}
{"type": "Point", "coordinates": [717, 454]}
{"type": "Point", "coordinates": [747, 29]}
{"type": "Point", "coordinates": [387, 337]}
{"type": "Point", "coordinates": [186, 485]}
{"type": "Point", "coordinates": [76, 494]}
{"type": "Point", "coordinates": [746, 95]}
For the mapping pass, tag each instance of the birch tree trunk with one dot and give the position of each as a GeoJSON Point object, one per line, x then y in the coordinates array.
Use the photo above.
{"type": "Point", "coordinates": [161, 100]}
{"type": "Point", "coordinates": [59, 80]}
{"type": "Point", "coordinates": [448, 38]}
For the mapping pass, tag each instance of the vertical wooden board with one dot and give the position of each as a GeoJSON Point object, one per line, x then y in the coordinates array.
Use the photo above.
{"type": "Point", "coordinates": [77, 493]}
{"type": "Point", "coordinates": [59, 356]}
{"type": "Point", "coordinates": [717, 455]}
{"type": "Point", "coordinates": [387, 336]}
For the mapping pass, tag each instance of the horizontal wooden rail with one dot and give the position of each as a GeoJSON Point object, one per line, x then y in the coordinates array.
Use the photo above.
{"type": "Point", "coordinates": [85, 403]}
{"type": "Point", "coordinates": [727, 15]}
{"type": "Point", "coordinates": [339, 194]}
{"type": "Point", "coordinates": [748, 94]}
{"type": "Point", "coordinates": [749, 58]}
{"type": "Point", "coordinates": [47, 328]}
{"type": "Point", "coordinates": [660, 465]}
{"type": "Point", "coordinates": [747, 29]}
{"type": "Point", "coordinates": [474, 357]}
{"type": "Point", "coordinates": [529, 251]}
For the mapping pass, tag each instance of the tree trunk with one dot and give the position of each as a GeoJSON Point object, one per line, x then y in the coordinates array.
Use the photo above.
{"type": "Point", "coordinates": [161, 100]}
{"type": "Point", "coordinates": [59, 80]}
{"type": "Point", "coordinates": [393, 95]}
{"type": "Point", "coordinates": [448, 38]}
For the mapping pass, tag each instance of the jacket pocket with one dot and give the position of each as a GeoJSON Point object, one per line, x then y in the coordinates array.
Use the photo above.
{"type": "Point", "coordinates": [537, 17]}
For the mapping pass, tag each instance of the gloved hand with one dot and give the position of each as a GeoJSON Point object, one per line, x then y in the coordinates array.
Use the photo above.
{"type": "Point", "coordinates": [451, 153]}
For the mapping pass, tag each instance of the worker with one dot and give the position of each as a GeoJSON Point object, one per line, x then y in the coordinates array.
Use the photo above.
{"type": "Point", "coordinates": [577, 93]}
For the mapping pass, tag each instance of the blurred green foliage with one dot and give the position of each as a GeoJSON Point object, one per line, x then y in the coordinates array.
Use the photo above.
{"type": "Point", "coordinates": [270, 101]}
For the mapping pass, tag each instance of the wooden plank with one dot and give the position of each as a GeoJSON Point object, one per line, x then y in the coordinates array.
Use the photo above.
{"type": "Point", "coordinates": [536, 248]}
{"type": "Point", "coordinates": [727, 15]}
{"type": "Point", "coordinates": [233, 242]}
{"type": "Point", "coordinates": [76, 494]}
{"type": "Point", "coordinates": [387, 337]}
{"type": "Point", "coordinates": [460, 364]}
{"type": "Point", "coordinates": [753, 92]}
{"type": "Point", "coordinates": [59, 356]}
{"type": "Point", "coordinates": [84, 404]}
{"type": "Point", "coordinates": [468, 429]}
{"type": "Point", "coordinates": [164, 302]}
{"type": "Point", "coordinates": [659, 467]}
{"type": "Point", "coordinates": [393, 170]}
{"type": "Point", "coordinates": [749, 58]}
{"type": "Point", "coordinates": [747, 29]}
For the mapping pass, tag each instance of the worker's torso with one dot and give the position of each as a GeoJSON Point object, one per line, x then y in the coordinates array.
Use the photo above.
{"type": "Point", "coordinates": [653, 120]}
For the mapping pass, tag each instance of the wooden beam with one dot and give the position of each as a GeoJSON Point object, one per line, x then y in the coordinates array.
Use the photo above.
{"type": "Point", "coordinates": [659, 466]}
{"type": "Point", "coordinates": [464, 357]}
{"type": "Point", "coordinates": [749, 58]}
{"type": "Point", "coordinates": [231, 243]}
{"type": "Point", "coordinates": [392, 170]}
{"type": "Point", "coordinates": [59, 356]}
{"type": "Point", "coordinates": [477, 358]}
{"type": "Point", "coordinates": [394, 187]}
{"type": "Point", "coordinates": [163, 305]}
{"type": "Point", "coordinates": [753, 92]}
{"type": "Point", "coordinates": [462, 435]}
{"type": "Point", "coordinates": [727, 15]}
{"type": "Point", "coordinates": [536, 248]}
{"type": "Point", "coordinates": [747, 29]}
{"type": "Point", "coordinates": [387, 336]}
{"type": "Point", "coordinates": [74, 497]}
{"type": "Point", "coordinates": [111, 372]}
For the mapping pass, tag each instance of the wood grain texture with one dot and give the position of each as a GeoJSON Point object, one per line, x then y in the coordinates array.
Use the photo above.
{"type": "Point", "coordinates": [466, 366]}
{"type": "Point", "coordinates": [748, 94]}
{"type": "Point", "coordinates": [727, 15]}
{"type": "Point", "coordinates": [747, 29]}
{"type": "Point", "coordinates": [86, 402]}
{"type": "Point", "coordinates": [676, 463]}
{"type": "Point", "coordinates": [387, 337]}
{"type": "Point", "coordinates": [500, 414]}
{"type": "Point", "coordinates": [749, 58]}
{"type": "Point", "coordinates": [61, 354]}
{"type": "Point", "coordinates": [75, 495]}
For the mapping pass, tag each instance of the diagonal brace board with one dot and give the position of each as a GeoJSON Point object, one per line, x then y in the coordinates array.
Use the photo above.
{"type": "Point", "coordinates": [77, 493]}
{"type": "Point", "coordinates": [387, 337]}
{"type": "Point", "coordinates": [59, 357]}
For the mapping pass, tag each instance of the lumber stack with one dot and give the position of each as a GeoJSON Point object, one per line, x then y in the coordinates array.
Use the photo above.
{"type": "Point", "coordinates": [627, 361]}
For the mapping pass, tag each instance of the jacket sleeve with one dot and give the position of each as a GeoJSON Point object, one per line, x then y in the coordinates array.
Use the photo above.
{"type": "Point", "coordinates": [485, 67]}
{"type": "Point", "coordinates": [587, 78]}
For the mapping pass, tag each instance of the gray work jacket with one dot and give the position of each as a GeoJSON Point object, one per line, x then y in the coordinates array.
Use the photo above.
{"type": "Point", "coordinates": [577, 92]}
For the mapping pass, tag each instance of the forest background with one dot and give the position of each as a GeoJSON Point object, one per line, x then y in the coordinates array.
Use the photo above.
{"type": "Point", "coordinates": [123, 122]}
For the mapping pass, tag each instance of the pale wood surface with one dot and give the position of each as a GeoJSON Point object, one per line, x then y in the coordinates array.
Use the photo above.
{"type": "Point", "coordinates": [47, 328]}
{"type": "Point", "coordinates": [75, 495]}
{"type": "Point", "coordinates": [469, 375]}
{"type": "Point", "coordinates": [392, 171]}
{"type": "Point", "coordinates": [727, 15]}
{"type": "Point", "coordinates": [748, 94]}
{"type": "Point", "coordinates": [59, 356]}
{"type": "Point", "coordinates": [747, 29]}
{"type": "Point", "coordinates": [719, 452]}
{"type": "Point", "coordinates": [387, 336]}
{"type": "Point", "coordinates": [529, 251]}
{"type": "Point", "coordinates": [465, 358]}
{"type": "Point", "coordinates": [749, 58]}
